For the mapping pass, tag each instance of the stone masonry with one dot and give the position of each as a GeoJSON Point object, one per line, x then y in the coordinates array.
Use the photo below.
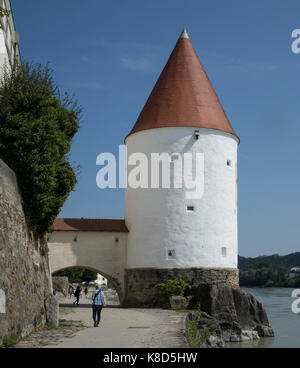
{"type": "Point", "coordinates": [140, 282]}
{"type": "Point", "coordinates": [61, 284]}
{"type": "Point", "coordinates": [24, 269]}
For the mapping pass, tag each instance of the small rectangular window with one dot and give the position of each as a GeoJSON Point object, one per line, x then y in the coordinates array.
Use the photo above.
{"type": "Point", "coordinates": [224, 251]}
{"type": "Point", "coordinates": [190, 208]}
{"type": "Point", "coordinates": [229, 163]}
{"type": "Point", "coordinates": [175, 157]}
{"type": "Point", "coordinates": [171, 254]}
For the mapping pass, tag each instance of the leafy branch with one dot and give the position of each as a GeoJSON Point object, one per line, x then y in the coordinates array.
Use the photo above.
{"type": "Point", "coordinates": [4, 12]}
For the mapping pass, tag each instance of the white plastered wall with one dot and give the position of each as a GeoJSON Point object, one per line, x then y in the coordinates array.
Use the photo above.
{"type": "Point", "coordinates": [98, 251]}
{"type": "Point", "coordinates": [158, 220]}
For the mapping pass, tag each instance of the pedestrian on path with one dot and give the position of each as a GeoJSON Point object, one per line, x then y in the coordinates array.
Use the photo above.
{"type": "Point", "coordinates": [71, 291]}
{"type": "Point", "coordinates": [98, 303]}
{"type": "Point", "coordinates": [77, 295]}
{"type": "Point", "coordinates": [86, 291]}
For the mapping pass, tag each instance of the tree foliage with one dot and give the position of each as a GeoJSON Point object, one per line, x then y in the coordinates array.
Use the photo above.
{"type": "Point", "coordinates": [267, 277]}
{"type": "Point", "coordinates": [77, 274]}
{"type": "Point", "coordinates": [277, 261]}
{"type": "Point", "coordinates": [264, 263]}
{"type": "Point", "coordinates": [37, 126]}
{"type": "Point", "coordinates": [269, 270]}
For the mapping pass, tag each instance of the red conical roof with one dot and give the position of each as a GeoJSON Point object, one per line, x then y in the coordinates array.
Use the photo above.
{"type": "Point", "coordinates": [183, 95]}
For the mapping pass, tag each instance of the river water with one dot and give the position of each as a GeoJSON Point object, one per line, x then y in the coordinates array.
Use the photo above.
{"type": "Point", "coordinates": [286, 324]}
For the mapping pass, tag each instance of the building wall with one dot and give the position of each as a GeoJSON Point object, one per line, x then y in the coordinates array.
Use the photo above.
{"type": "Point", "coordinates": [98, 251]}
{"type": "Point", "coordinates": [24, 270]}
{"type": "Point", "coordinates": [158, 220]}
{"type": "Point", "coordinates": [9, 38]}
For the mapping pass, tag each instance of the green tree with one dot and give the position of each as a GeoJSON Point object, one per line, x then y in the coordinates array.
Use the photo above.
{"type": "Point", "coordinates": [37, 126]}
{"type": "Point", "coordinates": [265, 263]}
{"type": "Point", "coordinates": [77, 274]}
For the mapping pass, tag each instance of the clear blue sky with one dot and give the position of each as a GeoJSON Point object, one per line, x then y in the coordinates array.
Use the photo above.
{"type": "Point", "coordinates": [110, 53]}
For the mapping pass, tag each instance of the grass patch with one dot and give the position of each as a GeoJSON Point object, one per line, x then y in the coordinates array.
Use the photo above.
{"type": "Point", "coordinates": [194, 338]}
{"type": "Point", "coordinates": [182, 309]}
{"type": "Point", "coordinates": [11, 340]}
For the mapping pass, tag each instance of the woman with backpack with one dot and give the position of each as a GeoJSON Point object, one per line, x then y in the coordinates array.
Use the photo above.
{"type": "Point", "coordinates": [98, 303]}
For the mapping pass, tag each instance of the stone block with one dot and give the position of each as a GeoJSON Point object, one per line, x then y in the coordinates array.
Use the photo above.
{"type": "Point", "coordinates": [177, 302]}
{"type": "Point", "coordinates": [53, 311]}
{"type": "Point", "coordinates": [2, 301]}
{"type": "Point", "coordinates": [61, 284]}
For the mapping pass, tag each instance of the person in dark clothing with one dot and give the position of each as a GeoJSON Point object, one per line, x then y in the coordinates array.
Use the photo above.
{"type": "Point", "coordinates": [86, 291]}
{"type": "Point", "coordinates": [77, 295]}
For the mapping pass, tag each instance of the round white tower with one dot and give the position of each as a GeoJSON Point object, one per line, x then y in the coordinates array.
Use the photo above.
{"type": "Point", "coordinates": [170, 235]}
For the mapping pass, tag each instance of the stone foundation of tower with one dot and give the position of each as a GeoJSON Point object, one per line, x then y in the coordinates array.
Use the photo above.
{"type": "Point", "coordinates": [140, 282]}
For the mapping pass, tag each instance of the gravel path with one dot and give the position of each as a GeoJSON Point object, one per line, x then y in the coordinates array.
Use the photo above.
{"type": "Point", "coordinates": [119, 328]}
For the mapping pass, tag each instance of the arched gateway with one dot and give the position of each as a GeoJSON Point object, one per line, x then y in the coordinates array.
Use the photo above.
{"type": "Point", "coordinates": [99, 245]}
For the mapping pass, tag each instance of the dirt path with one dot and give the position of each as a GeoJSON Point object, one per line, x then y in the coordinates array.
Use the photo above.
{"type": "Point", "coordinates": [119, 328]}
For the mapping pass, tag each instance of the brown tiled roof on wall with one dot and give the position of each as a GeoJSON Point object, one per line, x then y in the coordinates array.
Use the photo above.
{"type": "Point", "coordinates": [78, 224]}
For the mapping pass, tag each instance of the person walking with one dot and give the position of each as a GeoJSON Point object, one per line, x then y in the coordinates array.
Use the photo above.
{"type": "Point", "coordinates": [86, 291]}
{"type": "Point", "coordinates": [77, 295]}
{"type": "Point", "coordinates": [99, 302]}
{"type": "Point", "coordinates": [71, 291]}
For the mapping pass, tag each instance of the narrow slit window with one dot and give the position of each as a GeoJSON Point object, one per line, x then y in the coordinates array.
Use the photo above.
{"type": "Point", "coordinates": [190, 208]}
{"type": "Point", "coordinates": [224, 251]}
{"type": "Point", "coordinates": [229, 163]}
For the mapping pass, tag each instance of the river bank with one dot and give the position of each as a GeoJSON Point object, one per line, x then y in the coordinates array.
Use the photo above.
{"type": "Point", "coordinates": [278, 304]}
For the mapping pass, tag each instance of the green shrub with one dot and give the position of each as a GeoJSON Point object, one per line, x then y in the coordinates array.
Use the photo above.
{"type": "Point", "coordinates": [37, 126]}
{"type": "Point", "coordinates": [171, 288]}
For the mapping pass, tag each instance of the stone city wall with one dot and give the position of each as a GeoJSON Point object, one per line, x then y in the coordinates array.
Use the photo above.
{"type": "Point", "coordinates": [24, 269]}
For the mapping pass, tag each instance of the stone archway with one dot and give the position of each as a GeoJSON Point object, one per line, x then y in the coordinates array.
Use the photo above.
{"type": "Point", "coordinates": [114, 282]}
{"type": "Point", "coordinates": [95, 251]}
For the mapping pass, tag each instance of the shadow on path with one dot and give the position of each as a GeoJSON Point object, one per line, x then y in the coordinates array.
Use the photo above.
{"type": "Point", "coordinates": [71, 305]}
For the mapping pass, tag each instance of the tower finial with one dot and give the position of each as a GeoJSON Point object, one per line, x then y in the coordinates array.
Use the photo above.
{"type": "Point", "coordinates": [184, 33]}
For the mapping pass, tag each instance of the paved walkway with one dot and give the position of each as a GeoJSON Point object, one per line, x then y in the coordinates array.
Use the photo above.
{"type": "Point", "coordinates": [119, 328]}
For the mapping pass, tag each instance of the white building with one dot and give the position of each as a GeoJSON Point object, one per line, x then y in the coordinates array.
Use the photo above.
{"type": "Point", "coordinates": [101, 280]}
{"type": "Point", "coordinates": [168, 236]}
{"type": "Point", "coordinates": [295, 269]}
{"type": "Point", "coordinates": [9, 38]}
